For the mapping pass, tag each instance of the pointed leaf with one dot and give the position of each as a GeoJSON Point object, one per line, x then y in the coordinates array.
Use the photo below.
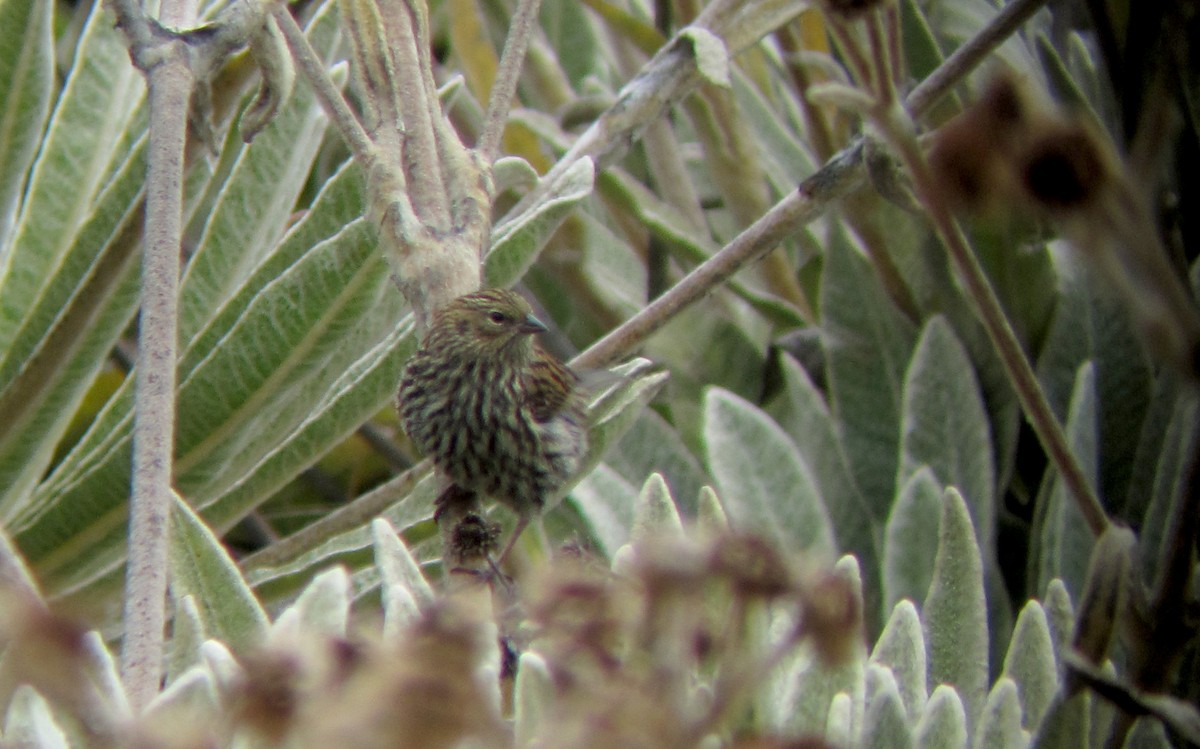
{"type": "Point", "coordinates": [30, 721]}
{"type": "Point", "coordinates": [761, 479]}
{"type": "Point", "coordinates": [945, 425]}
{"type": "Point", "coordinates": [901, 647]}
{"type": "Point", "coordinates": [202, 569]}
{"type": "Point", "coordinates": [885, 725]}
{"type": "Point", "coordinates": [801, 411]}
{"type": "Point", "coordinates": [868, 344]}
{"type": "Point", "coordinates": [943, 724]}
{"type": "Point", "coordinates": [517, 242]}
{"type": "Point", "coordinates": [908, 554]}
{"type": "Point", "coordinates": [26, 78]}
{"type": "Point", "coordinates": [1030, 664]}
{"type": "Point", "coordinates": [955, 610]}
{"type": "Point", "coordinates": [1065, 539]}
{"type": "Point", "coordinates": [1000, 724]}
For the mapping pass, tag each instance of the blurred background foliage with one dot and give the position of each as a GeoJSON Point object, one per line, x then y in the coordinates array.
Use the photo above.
{"type": "Point", "coordinates": [829, 393]}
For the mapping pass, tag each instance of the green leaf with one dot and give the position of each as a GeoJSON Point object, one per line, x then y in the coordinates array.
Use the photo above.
{"type": "Point", "coordinates": [187, 635]}
{"type": "Point", "coordinates": [67, 334]}
{"type": "Point", "coordinates": [908, 557]}
{"type": "Point", "coordinates": [654, 513]}
{"type": "Point", "coordinates": [1147, 733]}
{"type": "Point", "coordinates": [901, 647]}
{"type": "Point", "coordinates": [1060, 615]}
{"type": "Point", "coordinates": [202, 569]}
{"type": "Point", "coordinates": [606, 499]}
{"type": "Point", "coordinates": [81, 139]}
{"type": "Point", "coordinates": [1000, 724]}
{"type": "Point", "coordinates": [323, 608]}
{"type": "Point", "coordinates": [943, 723]}
{"type": "Point", "coordinates": [1066, 725]}
{"type": "Point", "coordinates": [29, 721]}
{"type": "Point", "coordinates": [945, 426]}
{"type": "Point", "coordinates": [256, 200]}
{"type": "Point", "coordinates": [396, 564]}
{"type": "Point", "coordinates": [297, 338]}
{"type": "Point", "coordinates": [533, 699]}
{"type": "Point", "coordinates": [1064, 537]}
{"type": "Point", "coordinates": [885, 725]}
{"type": "Point", "coordinates": [761, 478]}
{"type": "Point", "coordinates": [955, 610]}
{"type": "Point", "coordinates": [26, 80]}
{"type": "Point", "coordinates": [1031, 665]}
{"type": "Point", "coordinates": [516, 242]}
{"type": "Point", "coordinates": [652, 444]}
{"type": "Point", "coordinates": [867, 344]}
{"type": "Point", "coordinates": [800, 409]}
{"type": "Point", "coordinates": [1090, 324]}
{"type": "Point", "coordinates": [1170, 481]}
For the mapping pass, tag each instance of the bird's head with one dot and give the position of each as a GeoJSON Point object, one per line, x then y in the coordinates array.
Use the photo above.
{"type": "Point", "coordinates": [492, 323]}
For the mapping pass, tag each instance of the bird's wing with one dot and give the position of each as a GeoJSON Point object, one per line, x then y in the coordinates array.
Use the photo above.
{"type": "Point", "coordinates": [549, 387]}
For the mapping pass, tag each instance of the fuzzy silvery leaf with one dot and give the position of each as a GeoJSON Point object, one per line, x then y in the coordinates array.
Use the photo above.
{"type": "Point", "coordinates": [187, 635]}
{"type": "Point", "coordinates": [202, 569]}
{"type": "Point", "coordinates": [868, 344]}
{"type": "Point", "coordinates": [26, 78]}
{"type": "Point", "coordinates": [516, 242]}
{"type": "Point", "coordinates": [1000, 723]}
{"type": "Point", "coordinates": [1065, 539]}
{"type": "Point", "coordinates": [945, 426]}
{"type": "Point", "coordinates": [1031, 665]}
{"type": "Point", "coordinates": [396, 564]}
{"type": "Point", "coordinates": [908, 551]}
{"type": "Point", "coordinates": [885, 725]}
{"type": "Point", "coordinates": [943, 724]}
{"type": "Point", "coordinates": [955, 611]}
{"type": "Point", "coordinates": [29, 722]}
{"type": "Point", "coordinates": [655, 512]}
{"type": "Point", "coordinates": [901, 647]}
{"type": "Point", "coordinates": [763, 482]}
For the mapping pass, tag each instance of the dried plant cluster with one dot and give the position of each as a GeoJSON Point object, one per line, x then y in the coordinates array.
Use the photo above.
{"type": "Point", "coordinates": [922, 466]}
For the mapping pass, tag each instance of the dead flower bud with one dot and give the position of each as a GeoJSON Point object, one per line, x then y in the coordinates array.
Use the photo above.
{"type": "Point", "coordinates": [44, 649]}
{"type": "Point", "coordinates": [971, 153]}
{"type": "Point", "coordinates": [266, 700]}
{"type": "Point", "coordinates": [425, 691]}
{"type": "Point", "coordinates": [832, 618]}
{"type": "Point", "coordinates": [1063, 167]}
{"type": "Point", "coordinates": [851, 10]}
{"type": "Point", "coordinates": [753, 566]}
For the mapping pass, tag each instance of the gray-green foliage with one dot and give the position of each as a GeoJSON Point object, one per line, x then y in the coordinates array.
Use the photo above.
{"type": "Point", "coordinates": [893, 438]}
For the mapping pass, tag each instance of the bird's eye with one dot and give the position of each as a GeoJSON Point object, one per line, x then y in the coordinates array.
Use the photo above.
{"type": "Point", "coordinates": [496, 317]}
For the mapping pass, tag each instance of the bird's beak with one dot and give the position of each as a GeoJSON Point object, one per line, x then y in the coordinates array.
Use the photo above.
{"type": "Point", "coordinates": [532, 325]}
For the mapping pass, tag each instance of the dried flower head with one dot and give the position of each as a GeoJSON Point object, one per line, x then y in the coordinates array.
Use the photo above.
{"type": "Point", "coordinates": [1063, 168]}
{"type": "Point", "coordinates": [850, 10]}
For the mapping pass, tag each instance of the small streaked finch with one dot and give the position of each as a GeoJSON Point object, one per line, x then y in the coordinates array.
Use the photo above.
{"type": "Point", "coordinates": [497, 414]}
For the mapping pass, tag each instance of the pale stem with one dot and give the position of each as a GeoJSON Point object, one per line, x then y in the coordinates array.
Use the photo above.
{"type": "Point", "coordinates": [169, 81]}
{"type": "Point", "coordinates": [505, 86]}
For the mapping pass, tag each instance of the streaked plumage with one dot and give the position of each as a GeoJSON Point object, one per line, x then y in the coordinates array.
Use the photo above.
{"type": "Point", "coordinates": [496, 413]}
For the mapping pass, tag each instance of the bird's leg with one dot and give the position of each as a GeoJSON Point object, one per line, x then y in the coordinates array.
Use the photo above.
{"type": "Point", "coordinates": [523, 519]}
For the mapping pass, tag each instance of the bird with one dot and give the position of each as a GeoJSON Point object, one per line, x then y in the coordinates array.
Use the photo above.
{"type": "Point", "coordinates": [497, 414]}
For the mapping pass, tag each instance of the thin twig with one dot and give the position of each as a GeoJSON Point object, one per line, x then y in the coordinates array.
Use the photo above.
{"type": "Point", "coordinates": [838, 177]}
{"type": "Point", "coordinates": [327, 93]}
{"type": "Point", "coordinates": [1020, 373]}
{"type": "Point", "coordinates": [520, 29]}
{"type": "Point", "coordinates": [164, 62]}
{"type": "Point", "coordinates": [972, 52]}
{"type": "Point", "coordinates": [358, 513]}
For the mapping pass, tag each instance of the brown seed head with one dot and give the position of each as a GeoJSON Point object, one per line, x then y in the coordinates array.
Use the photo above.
{"type": "Point", "coordinates": [1063, 169]}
